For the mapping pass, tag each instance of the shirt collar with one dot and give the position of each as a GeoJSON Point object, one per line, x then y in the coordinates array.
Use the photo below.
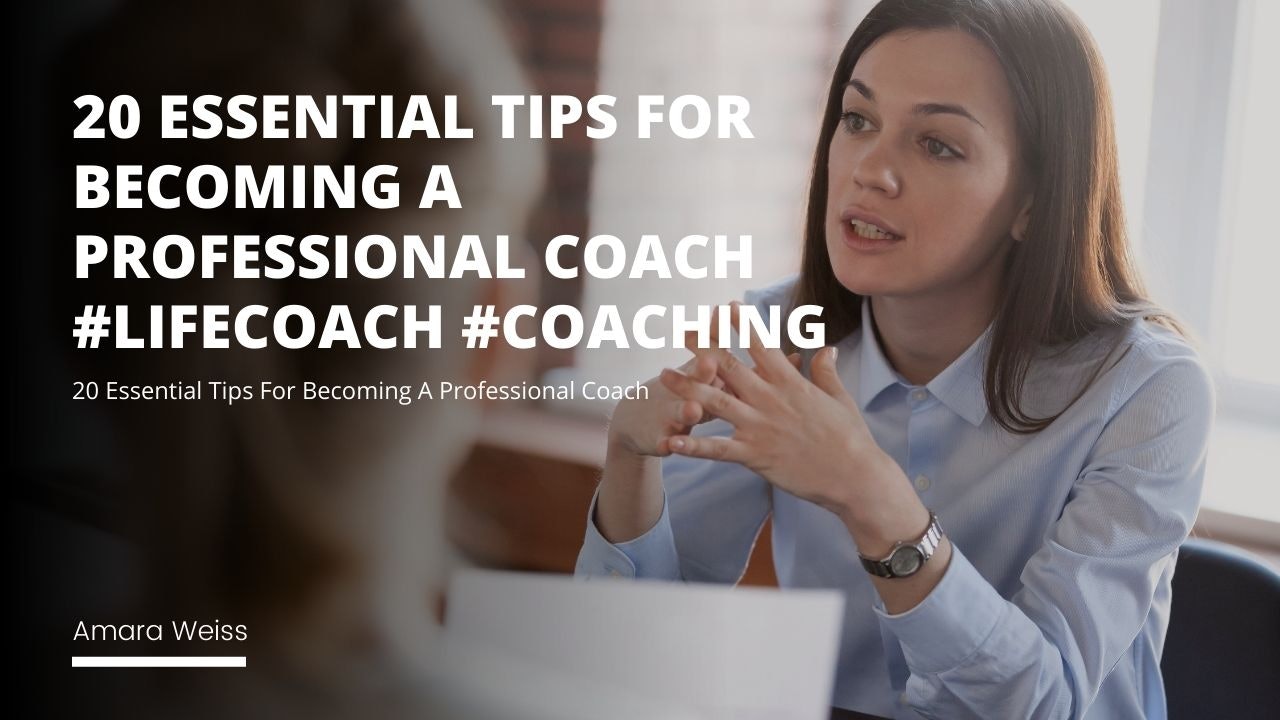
{"type": "Point", "coordinates": [959, 386]}
{"type": "Point", "coordinates": [874, 372]}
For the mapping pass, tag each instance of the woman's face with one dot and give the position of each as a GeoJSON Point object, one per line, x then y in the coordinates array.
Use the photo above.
{"type": "Point", "coordinates": [926, 151]}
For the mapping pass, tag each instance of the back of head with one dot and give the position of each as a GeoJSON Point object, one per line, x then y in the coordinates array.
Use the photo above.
{"type": "Point", "coordinates": [316, 524]}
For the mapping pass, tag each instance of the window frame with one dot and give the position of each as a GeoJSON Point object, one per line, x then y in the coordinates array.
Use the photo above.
{"type": "Point", "coordinates": [1201, 71]}
{"type": "Point", "coordinates": [1203, 52]}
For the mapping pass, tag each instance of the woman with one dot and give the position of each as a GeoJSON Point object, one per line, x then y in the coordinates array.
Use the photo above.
{"type": "Point", "coordinates": [1000, 455]}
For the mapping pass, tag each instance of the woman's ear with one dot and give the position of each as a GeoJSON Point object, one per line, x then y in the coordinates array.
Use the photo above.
{"type": "Point", "coordinates": [1019, 230]}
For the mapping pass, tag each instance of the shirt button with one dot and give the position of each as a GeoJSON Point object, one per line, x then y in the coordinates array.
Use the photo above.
{"type": "Point", "coordinates": [613, 572]}
{"type": "Point", "coordinates": [923, 483]}
{"type": "Point", "coordinates": [919, 395]}
{"type": "Point", "coordinates": [902, 699]}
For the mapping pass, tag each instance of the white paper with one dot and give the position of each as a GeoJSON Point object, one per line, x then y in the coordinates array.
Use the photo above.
{"type": "Point", "coordinates": [723, 652]}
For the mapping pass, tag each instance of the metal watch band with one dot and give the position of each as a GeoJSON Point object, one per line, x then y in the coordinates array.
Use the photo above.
{"type": "Point", "coordinates": [911, 554]}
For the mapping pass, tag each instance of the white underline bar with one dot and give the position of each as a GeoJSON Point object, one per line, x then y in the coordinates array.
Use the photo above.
{"type": "Point", "coordinates": [157, 661]}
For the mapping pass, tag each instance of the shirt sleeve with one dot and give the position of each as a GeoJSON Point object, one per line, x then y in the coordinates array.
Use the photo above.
{"type": "Point", "coordinates": [712, 512]}
{"type": "Point", "coordinates": [1087, 592]}
{"type": "Point", "coordinates": [652, 555]}
{"type": "Point", "coordinates": [711, 515]}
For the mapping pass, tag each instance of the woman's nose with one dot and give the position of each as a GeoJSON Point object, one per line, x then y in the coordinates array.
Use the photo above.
{"type": "Point", "coordinates": [874, 169]}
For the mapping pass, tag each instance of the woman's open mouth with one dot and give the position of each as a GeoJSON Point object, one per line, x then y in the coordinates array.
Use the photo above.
{"type": "Point", "coordinates": [862, 235]}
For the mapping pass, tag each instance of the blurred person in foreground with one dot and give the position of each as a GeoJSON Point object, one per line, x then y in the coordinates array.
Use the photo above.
{"type": "Point", "coordinates": [319, 526]}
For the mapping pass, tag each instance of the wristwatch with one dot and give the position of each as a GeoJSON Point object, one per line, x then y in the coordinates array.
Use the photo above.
{"type": "Point", "coordinates": [907, 557]}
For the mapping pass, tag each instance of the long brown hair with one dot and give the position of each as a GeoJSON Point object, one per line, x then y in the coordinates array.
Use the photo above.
{"type": "Point", "coordinates": [1073, 275]}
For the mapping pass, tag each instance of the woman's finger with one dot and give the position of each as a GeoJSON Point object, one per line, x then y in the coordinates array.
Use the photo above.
{"type": "Point", "coordinates": [740, 378]}
{"type": "Point", "coordinates": [771, 361]}
{"type": "Point", "coordinates": [704, 368]}
{"type": "Point", "coordinates": [687, 413]}
{"type": "Point", "coordinates": [717, 402]}
{"type": "Point", "coordinates": [823, 372]}
{"type": "Point", "coordinates": [711, 448]}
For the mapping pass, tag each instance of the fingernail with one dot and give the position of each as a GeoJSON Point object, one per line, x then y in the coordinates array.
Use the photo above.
{"type": "Point", "coordinates": [677, 444]}
{"type": "Point", "coordinates": [834, 353]}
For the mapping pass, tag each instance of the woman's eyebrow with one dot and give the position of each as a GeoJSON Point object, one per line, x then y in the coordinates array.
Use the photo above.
{"type": "Point", "coordinates": [862, 89]}
{"type": "Point", "coordinates": [930, 108]}
{"type": "Point", "coordinates": [944, 109]}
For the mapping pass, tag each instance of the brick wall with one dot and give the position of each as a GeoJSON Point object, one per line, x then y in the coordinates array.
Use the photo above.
{"type": "Point", "coordinates": [558, 42]}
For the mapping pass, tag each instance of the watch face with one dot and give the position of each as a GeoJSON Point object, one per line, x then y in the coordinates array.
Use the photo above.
{"type": "Point", "coordinates": [906, 560]}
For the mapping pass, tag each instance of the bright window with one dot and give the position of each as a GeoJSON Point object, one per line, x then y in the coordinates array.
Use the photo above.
{"type": "Point", "coordinates": [1244, 331]}
{"type": "Point", "coordinates": [1250, 294]}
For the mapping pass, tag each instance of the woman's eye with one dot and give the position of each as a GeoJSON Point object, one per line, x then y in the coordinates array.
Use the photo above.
{"type": "Point", "coordinates": [939, 149]}
{"type": "Point", "coordinates": [854, 122]}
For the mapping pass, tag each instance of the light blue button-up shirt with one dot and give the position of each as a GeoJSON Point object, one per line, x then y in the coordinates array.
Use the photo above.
{"type": "Point", "coordinates": [1056, 600]}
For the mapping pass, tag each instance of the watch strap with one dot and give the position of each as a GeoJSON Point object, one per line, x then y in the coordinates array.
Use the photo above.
{"type": "Point", "coordinates": [927, 544]}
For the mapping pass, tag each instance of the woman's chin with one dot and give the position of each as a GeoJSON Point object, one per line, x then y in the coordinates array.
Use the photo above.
{"type": "Point", "coordinates": [861, 282]}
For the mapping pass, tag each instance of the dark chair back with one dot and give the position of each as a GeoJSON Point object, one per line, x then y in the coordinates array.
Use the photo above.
{"type": "Point", "coordinates": [1222, 655]}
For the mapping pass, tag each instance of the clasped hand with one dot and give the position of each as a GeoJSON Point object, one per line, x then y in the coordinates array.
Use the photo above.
{"type": "Point", "coordinates": [804, 436]}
